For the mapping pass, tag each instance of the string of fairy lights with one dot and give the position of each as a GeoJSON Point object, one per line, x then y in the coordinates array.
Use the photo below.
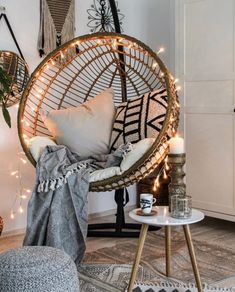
{"type": "Point", "coordinates": [23, 193]}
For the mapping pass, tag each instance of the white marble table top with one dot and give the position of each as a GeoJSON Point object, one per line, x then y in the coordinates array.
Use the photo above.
{"type": "Point", "coordinates": [163, 218]}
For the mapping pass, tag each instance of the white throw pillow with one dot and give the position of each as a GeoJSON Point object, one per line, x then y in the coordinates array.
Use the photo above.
{"type": "Point", "coordinates": [101, 174]}
{"type": "Point", "coordinates": [37, 145]}
{"type": "Point", "coordinates": [139, 149]}
{"type": "Point", "coordinates": [85, 129]}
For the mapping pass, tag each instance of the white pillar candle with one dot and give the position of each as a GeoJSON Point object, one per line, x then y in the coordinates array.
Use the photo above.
{"type": "Point", "coordinates": [176, 145]}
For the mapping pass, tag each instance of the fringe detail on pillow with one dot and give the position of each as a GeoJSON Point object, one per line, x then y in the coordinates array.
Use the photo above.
{"type": "Point", "coordinates": [55, 183]}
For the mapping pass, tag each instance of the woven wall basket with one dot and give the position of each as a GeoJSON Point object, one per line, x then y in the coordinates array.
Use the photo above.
{"type": "Point", "coordinates": [18, 70]}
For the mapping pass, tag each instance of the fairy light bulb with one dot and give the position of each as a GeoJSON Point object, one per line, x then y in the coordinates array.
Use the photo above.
{"type": "Point", "coordinates": [21, 210]}
{"type": "Point", "coordinates": [176, 80]}
{"type": "Point", "coordinates": [164, 174]}
{"type": "Point", "coordinates": [156, 183]}
{"type": "Point", "coordinates": [24, 197]}
{"type": "Point", "coordinates": [23, 160]}
{"type": "Point", "coordinates": [161, 50]}
{"type": "Point", "coordinates": [12, 216]}
{"type": "Point", "coordinates": [166, 164]}
{"type": "Point", "coordinates": [154, 65]}
{"type": "Point", "coordinates": [62, 55]}
{"type": "Point", "coordinates": [178, 88]}
{"type": "Point", "coordinates": [14, 172]}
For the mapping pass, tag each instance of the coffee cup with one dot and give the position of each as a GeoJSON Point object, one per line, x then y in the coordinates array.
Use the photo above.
{"type": "Point", "coordinates": [146, 202]}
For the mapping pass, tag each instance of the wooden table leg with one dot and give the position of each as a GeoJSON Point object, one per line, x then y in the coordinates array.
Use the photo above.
{"type": "Point", "coordinates": [168, 249]}
{"type": "Point", "coordinates": [142, 237]}
{"type": "Point", "coordinates": [188, 238]}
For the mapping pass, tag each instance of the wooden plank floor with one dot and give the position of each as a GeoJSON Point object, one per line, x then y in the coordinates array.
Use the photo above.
{"type": "Point", "coordinates": [210, 230]}
{"type": "Point", "coordinates": [92, 244]}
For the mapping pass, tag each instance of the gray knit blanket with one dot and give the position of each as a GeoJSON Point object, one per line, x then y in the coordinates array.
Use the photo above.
{"type": "Point", "coordinates": [57, 210]}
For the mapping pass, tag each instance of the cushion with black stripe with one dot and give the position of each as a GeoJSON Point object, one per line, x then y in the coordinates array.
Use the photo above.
{"type": "Point", "coordinates": [139, 118]}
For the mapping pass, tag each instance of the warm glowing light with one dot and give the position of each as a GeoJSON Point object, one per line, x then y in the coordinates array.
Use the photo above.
{"type": "Point", "coordinates": [47, 66]}
{"type": "Point", "coordinates": [161, 74]}
{"type": "Point", "coordinates": [176, 80]}
{"type": "Point", "coordinates": [156, 183]}
{"type": "Point", "coordinates": [25, 136]}
{"type": "Point", "coordinates": [28, 190]}
{"type": "Point", "coordinates": [164, 174]}
{"type": "Point", "coordinates": [99, 42]}
{"type": "Point", "coordinates": [130, 45]}
{"type": "Point", "coordinates": [23, 160]}
{"type": "Point", "coordinates": [178, 88]}
{"type": "Point", "coordinates": [16, 105]}
{"type": "Point", "coordinates": [24, 197]}
{"type": "Point", "coordinates": [166, 166]}
{"type": "Point", "coordinates": [62, 55]}
{"type": "Point", "coordinates": [33, 109]}
{"type": "Point", "coordinates": [53, 62]}
{"type": "Point", "coordinates": [78, 43]}
{"type": "Point", "coordinates": [42, 79]}
{"type": "Point", "coordinates": [154, 65]}
{"type": "Point", "coordinates": [161, 50]}
{"type": "Point", "coordinates": [177, 104]}
{"type": "Point", "coordinates": [12, 216]}
{"type": "Point", "coordinates": [114, 43]}
{"type": "Point", "coordinates": [17, 176]}
{"type": "Point", "coordinates": [14, 172]}
{"type": "Point", "coordinates": [21, 210]}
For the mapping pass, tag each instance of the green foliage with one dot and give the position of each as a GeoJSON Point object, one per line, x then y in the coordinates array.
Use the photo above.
{"type": "Point", "coordinates": [5, 88]}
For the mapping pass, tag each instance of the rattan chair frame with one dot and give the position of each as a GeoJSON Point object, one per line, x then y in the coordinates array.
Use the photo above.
{"type": "Point", "coordinates": [122, 45]}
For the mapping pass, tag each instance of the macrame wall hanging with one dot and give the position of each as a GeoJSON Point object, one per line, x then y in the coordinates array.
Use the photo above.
{"type": "Point", "coordinates": [57, 24]}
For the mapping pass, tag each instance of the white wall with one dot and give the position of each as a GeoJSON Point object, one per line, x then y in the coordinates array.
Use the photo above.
{"type": "Point", "coordinates": [149, 21]}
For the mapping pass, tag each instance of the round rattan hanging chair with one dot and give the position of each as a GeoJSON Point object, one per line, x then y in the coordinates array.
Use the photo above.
{"type": "Point", "coordinates": [83, 67]}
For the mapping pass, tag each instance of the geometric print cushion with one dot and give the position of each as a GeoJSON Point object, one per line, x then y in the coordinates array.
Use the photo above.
{"type": "Point", "coordinates": [139, 118]}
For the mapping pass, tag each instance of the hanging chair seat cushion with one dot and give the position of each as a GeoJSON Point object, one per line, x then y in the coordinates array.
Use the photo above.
{"type": "Point", "coordinates": [38, 143]}
{"type": "Point", "coordinates": [138, 118]}
{"type": "Point", "coordinates": [85, 129]}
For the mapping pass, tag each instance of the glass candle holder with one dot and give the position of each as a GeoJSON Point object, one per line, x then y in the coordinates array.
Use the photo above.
{"type": "Point", "coordinates": [181, 206]}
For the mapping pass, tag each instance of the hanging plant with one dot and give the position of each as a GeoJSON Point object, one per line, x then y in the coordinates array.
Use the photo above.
{"type": "Point", "coordinates": [5, 88]}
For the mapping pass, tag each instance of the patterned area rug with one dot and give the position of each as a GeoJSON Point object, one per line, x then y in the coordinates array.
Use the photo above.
{"type": "Point", "coordinates": [110, 267]}
{"type": "Point", "coordinates": [114, 278]}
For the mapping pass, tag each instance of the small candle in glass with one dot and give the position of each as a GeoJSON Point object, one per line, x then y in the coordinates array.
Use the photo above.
{"type": "Point", "coordinates": [181, 206]}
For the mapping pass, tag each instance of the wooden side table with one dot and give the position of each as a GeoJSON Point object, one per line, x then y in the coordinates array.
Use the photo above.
{"type": "Point", "coordinates": [164, 219]}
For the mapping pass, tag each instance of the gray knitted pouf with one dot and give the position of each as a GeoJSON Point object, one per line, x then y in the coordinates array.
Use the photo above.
{"type": "Point", "coordinates": [37, 269]}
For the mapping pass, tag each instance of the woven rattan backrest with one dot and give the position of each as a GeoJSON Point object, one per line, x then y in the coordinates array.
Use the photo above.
{"type": "Point", "coordinates": [85, 66]}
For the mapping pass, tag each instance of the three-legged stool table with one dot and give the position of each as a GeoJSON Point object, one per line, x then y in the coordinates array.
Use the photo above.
{"type": "Point", "coordinates": [163, 218]}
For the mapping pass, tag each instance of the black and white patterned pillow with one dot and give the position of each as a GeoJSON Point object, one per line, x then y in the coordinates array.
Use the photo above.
{"type": "Point", "coordinates": [139, 118]}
